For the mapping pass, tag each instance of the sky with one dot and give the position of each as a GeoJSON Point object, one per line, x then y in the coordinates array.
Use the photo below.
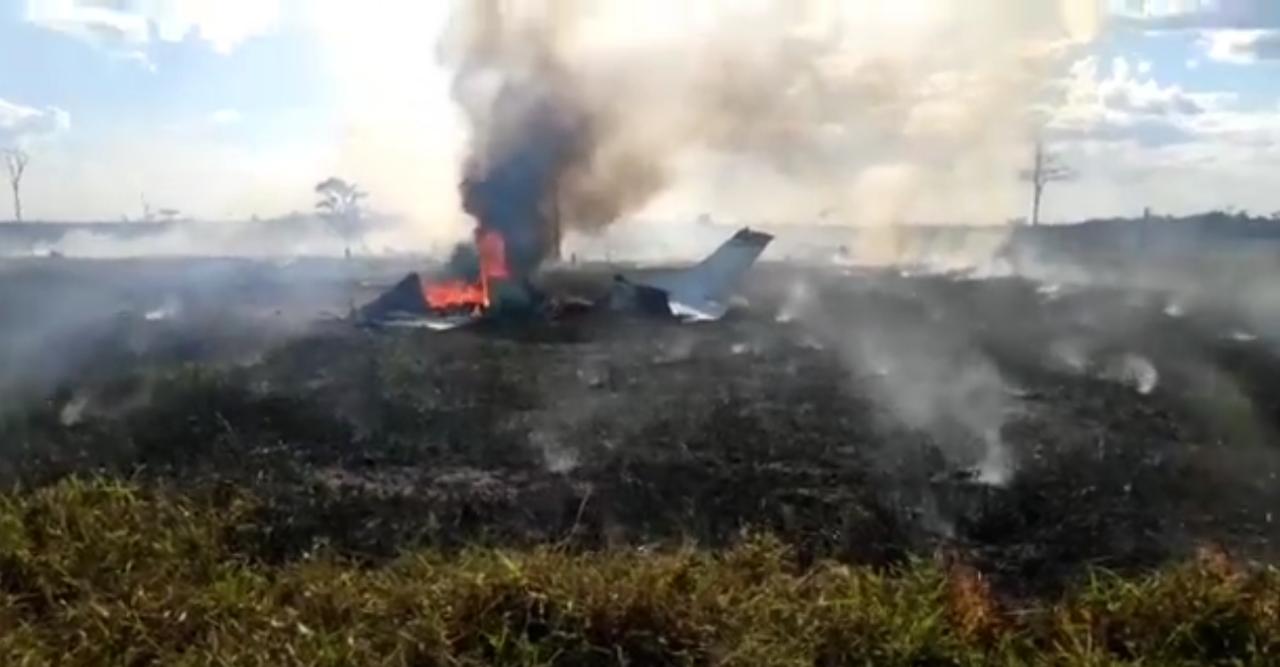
{"type": "Point", "coordinates": [227, 109]}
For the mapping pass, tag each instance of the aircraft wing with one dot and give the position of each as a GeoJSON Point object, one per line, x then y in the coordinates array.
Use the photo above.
{"type": "Point", "coordinates": [704, 291]}
{"type": "Point", "coordinates": [403, 307]}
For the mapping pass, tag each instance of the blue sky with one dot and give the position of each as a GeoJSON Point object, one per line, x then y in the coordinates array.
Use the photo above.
{"type": "Point", "coordinates": [182, 82]}
{"type": "Point", "coordinates": [230, 108]}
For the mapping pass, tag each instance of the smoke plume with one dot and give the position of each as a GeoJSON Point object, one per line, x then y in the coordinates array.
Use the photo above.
{"type": "Point", "coordinates": [585, 112]}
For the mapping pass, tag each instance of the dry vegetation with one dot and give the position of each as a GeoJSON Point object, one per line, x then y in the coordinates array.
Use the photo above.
{"type": "Point", "coordinates": [101, 572]}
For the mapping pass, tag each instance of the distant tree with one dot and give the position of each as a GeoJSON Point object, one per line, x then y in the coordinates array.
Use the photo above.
{"type": "Point", "coordinates": [340, 205]}
{"type": "Point", "coordinates": [16, 161]}
{"type": "Point", "coordinates": [1045, 168]}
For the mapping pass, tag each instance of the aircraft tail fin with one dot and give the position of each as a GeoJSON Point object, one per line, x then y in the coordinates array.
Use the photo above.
{"type": "Point", "coordinates": [724, 268]}
{"type": "Point", "coordinates": [703, 290]}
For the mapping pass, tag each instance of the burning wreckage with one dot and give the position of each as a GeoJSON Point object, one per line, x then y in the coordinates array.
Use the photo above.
{"type": "Point", "coordinates": [532, 174]}
{"type": "Point", "coordinates": [480, 283]}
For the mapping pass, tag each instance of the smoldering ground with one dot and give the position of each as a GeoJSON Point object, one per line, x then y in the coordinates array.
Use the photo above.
{"type": "Point", "coordinates": [883, 415]}
{"type": "Point", "coordinates": [68, 320]}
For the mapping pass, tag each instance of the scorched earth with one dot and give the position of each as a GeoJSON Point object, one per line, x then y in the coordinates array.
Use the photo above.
{"type": "Point", "coordinates": [1035, 429]}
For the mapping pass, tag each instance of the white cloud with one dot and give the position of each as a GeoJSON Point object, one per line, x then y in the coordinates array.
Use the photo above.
{"type": "Point", "coordinates": [1234, 31]}
{"type": "Point", "coordinates": [128, 27]}
{"type": "Point", "coordinates": [1122, 104]}
{"type": "Point", "coordinates": [226, 117]}
{"type": "Point", "coordinates": [20, 124]}
{"type": "Point", "coordinates": [1242, 47]}
{"type": "Point", "coordinates": [1139, 141]}
{"type": "Point", "coordinates": [1123, 108]}
{"type": "Point", "coordinates": [1251, 131]}
{"type": "Point", "coordinates": [1204, 14]}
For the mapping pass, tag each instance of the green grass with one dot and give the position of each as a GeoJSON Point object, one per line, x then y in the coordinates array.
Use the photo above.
{"type": "Point", "coordinates": [106, 573]}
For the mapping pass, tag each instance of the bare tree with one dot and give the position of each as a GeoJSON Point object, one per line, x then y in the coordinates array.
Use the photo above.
{"type": "Point", "coordinates": [16, 160]}
{"type": "Point", "coordinates": [1045, 169]}
{"type": "Point", "coordinates": [340, 205]}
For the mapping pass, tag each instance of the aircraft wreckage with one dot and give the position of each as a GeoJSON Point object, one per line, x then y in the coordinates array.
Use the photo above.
{"type": "Point", "coordinates": [699, 293]}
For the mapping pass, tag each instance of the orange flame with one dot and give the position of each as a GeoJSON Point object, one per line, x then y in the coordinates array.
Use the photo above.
{"type": "Point", "coordinates": [460, 294]}
{"type": "Point", "coordinates": [454, 295]}
{"type": "Point", "coordinates": [493, 255]}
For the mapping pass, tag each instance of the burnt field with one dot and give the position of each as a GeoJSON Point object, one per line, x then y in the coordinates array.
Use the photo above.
{"type": "Point", "coordinates": [1033, 429]}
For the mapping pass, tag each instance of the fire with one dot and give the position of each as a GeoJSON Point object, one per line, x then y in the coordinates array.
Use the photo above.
{"type": "Point", "coordinates": [459, 294]}
{"type": "Point", "coordinates": [454, 295]}
{"type": "Point", "coordinates": [493, 255]}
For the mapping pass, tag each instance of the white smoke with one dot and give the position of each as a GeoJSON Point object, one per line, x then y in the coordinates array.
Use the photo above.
{"type": "Point", "coordinates": [1133, 370]}
{"type": "Point", "coordinates": [867, 113]}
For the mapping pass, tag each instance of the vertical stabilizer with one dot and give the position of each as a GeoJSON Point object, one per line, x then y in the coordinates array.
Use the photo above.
{"type": "Point", "coordinates": [703, 290]}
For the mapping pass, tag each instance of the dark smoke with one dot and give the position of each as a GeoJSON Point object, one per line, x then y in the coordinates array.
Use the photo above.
{"type": "Point", "coordinates": [511, 180]}
{"type": "Point", "coordinates": [545, 154]}
{"type": "Point", "coordinates": [528, 132]}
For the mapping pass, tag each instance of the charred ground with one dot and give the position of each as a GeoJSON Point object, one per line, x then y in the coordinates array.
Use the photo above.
{"type": "Point", "coordinates": [1033, 429]}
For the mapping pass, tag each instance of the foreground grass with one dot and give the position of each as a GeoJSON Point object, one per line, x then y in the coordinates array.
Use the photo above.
{"type": "Point", "coordinates": [103, 573]}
